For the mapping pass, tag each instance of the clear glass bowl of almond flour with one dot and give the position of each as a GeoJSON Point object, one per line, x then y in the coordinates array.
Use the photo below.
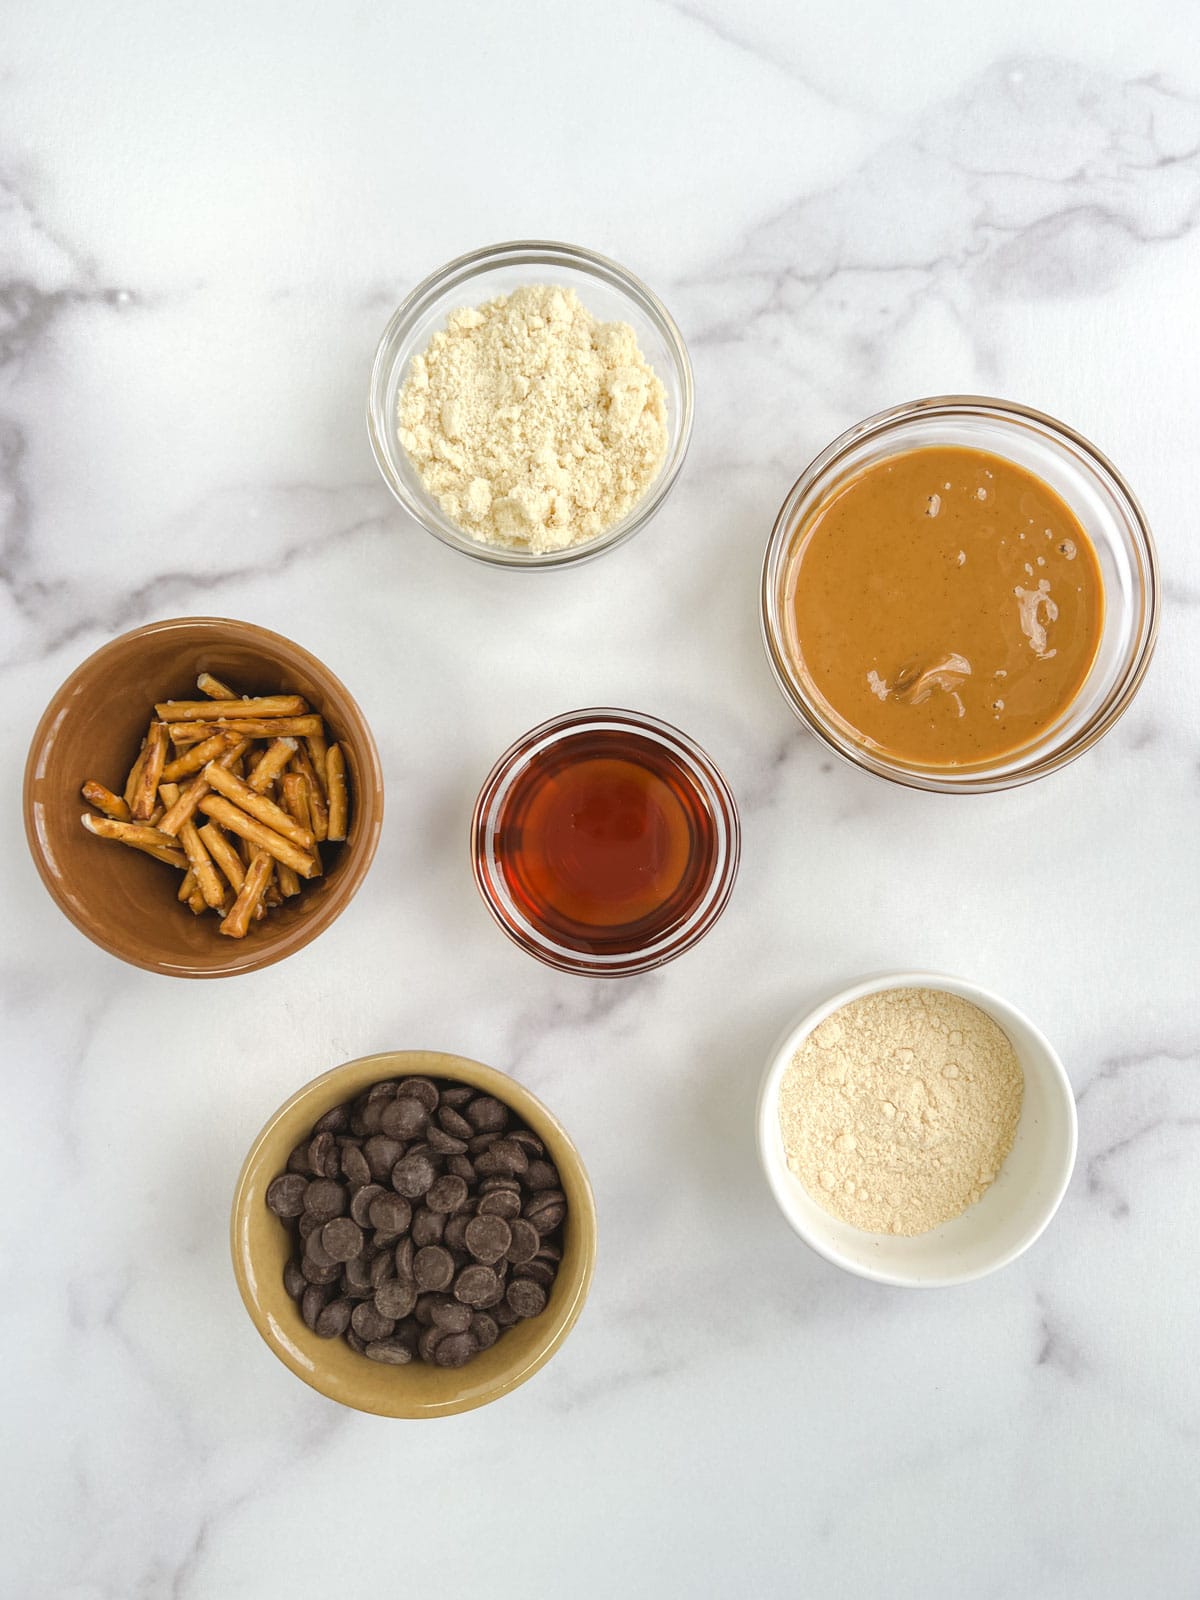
{"type": "Point", "coordinates": [611, 295]}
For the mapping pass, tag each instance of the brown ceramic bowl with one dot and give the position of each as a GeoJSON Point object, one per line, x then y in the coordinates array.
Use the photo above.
{"type": "Point", "coordinates": [261, 1247]}
{"type": "Point", "coordinates": [125, 901]}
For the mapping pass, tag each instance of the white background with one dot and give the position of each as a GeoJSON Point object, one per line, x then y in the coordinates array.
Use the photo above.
{"type": "Point", "coordinates": [206, 215]}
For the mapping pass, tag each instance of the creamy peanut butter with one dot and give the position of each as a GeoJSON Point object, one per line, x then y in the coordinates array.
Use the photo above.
{"type": "Point", "coordinates": [946, 604]}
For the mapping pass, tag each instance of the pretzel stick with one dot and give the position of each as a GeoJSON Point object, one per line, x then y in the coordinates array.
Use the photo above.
{"type": "Point", "coordinates": [228, 815]}
{"type": "Point", "coordinates": [105, 800]}
{"type": "Point", "coordinates": [139, 836]}
{"type": "Point", "coordinates": [335, 767]}
{"type": "Point", "coordinates": [223, 853]}
{"type": "Point", "coordinates": [295, 800]}
{"type": "Point", "coordinates": [317, 752]}
{"type": "Point", "coordinates": [214, 688]}
{"type": "Point", "coordinates": [200, 754]}
{"type": "Point", "coordinates": [197, 903]}
{"type": "Point", "coordinates": [135, 773]}
{"type": "Point", "coordinates": [153, 759]}
{"type": "Point", "coordinates": [186, 733]}
{"type": "Point", "coordinates": [184, 808]}
{"type": "Point", "coordinates": [257, 805]}
{"type": "Point", "coordinates": [189, 886]}
{"type": "Point", "coordinates": [206, 874]}
{"type": "Point", "coordinates": [266, 705]}
{"type": "Point", "coordinates": [316, 795]}
{"type": "Point", "coordinates": [271, 763]}
{"type": "Point", "coordinates": [237, 920]}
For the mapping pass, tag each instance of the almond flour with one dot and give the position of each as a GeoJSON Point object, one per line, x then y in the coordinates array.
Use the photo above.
{"type": "Point", "coordinates": [531, 423]}
{"type": "Point", "coordinates": [898, 1110]}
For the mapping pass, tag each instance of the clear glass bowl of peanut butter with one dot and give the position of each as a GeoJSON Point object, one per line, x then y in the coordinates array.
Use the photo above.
{"type": "Point", "coordinates": [960, 594]}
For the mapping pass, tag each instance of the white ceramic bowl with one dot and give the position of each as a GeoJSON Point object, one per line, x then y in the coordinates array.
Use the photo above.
{"type": "Point", "coordinates": [988, 1235]}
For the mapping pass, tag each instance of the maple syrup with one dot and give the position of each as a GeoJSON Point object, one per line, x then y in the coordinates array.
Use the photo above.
{"type": "Point", "coordinates": [604, 840]}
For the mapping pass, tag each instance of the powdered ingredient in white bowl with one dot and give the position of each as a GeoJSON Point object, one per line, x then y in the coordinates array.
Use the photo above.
{"type": "Point", "coordinates": [531, 423]}
{"type": "Point", "coordinates": [898, 1110]}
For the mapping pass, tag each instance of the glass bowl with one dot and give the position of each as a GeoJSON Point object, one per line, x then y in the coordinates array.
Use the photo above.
{"type": "Point", "coordinates": [677, 929]}
{"type": "Point", "coordinates": [609, 292]}
{"type": "Point", "coordinates": [1095, 492]}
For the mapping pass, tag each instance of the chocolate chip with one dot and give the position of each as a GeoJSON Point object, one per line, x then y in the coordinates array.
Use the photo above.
{"type": "Point", "coordinates": [530, 1142]}
{"type": "Point", "coordinates": [323, 1156]}
{"type": "Point", "coordinates": [316, 1252]}
{"type": "Point", "coordinates": [504, 1203]}
{"type": "Point", "coordinates": [324, 1198]}
{"type": "Point", "coordinates": [294, 1280]}
{"type": "Point", "coordinates": [462, 1167]}
{"type": "Point", "coordinates": [396, 1297]}
{"type": "Point", "coordinates": [341, 1239]}
{"type": "Point", "coordinates": [430, 1338]}
{"type": "Point", "coordinates": [497, 1185]}
{"type": "Point", "coordinates": [506, 1158]}
{"type": "Point", "coordinates": [369, 1324]}
{"type": "Point", "coordinates": [356, 1276]}
{"type": "Point", "coordinates": [433, 1267]}
{"type": "Point", "coordinates": [540, 1271]}
{"type": "Point", "coordinates": [391, 1352]}
{"type": "Point", "coordinates": [525, 1297]}
{"type": "Point", "coordinates": [449, 1314]}
{"type": "Point", "coordinates": [428, 1226]}
{"type": "Point", "coordinates": [362, 1201]}
{"type": "Point", "coordinates": [447, 1194]}
{"type": "Point", "coordinates": [546, 1209]}
{"type": "Point", "coordinates": [355, 1165]}
{"type": "Point", "coordinates": [335, 1120]}
{"type": "Point", "coordinates": [504, 1315]}
{"type": "Point", "coordinates": [390, 1213]}
{"type": "Point", "coordinates": [455, 1235]}
{"type": "Point", "coordinates": [484, 1330]}
{"type": "Point", "coordinates": [486, 1114]}
{"type": "Point", "coordinates": [413, 1176]}
{"type": "Point", "coordinates": [482, 1142]}
{"type": "Point", "coordinates": [359, 1346]}
{"type": "Point", "coordinates": [403, 1257]}
{"type": "Point", "coordinates": [422, 1089]}
{"type": "Point", "coordinates": [524, 1240]}
{"type": "Point", "coordinates": [541, 1175]}
{"type": "Point", "coordinates": [382, 1155]}
{"type": "Point", "coordinates": [456, 1094]}
{"type": "Point", "coordinates": [334, 1320]}
{"type": "Point", "coordinates": [383, 1267]}
{"type": "Point", "coordinates": [487, 1238]}
{"type": "Point", "coordinates": [444, 1143]}
{"type": "Point", "coordinates": [307, 1225]}
{"type": "Point", "coordinates": [452, 1123]}
{"type": "Point", "coordinates": [285, 1195]}
{"type": "Point", "coordinates": [478, 1287]}
{"type": "Point", "coordinates": [404, 1118]}
{"type": "Point", "coordinates": [455, 1350]}
{"type": "Point", "coordinates": [312, 1303]}
{"type": "Point", "coordinates": [298, 1161]}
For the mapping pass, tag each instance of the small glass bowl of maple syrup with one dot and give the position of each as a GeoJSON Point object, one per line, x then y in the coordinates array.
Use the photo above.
{"type": "Point", "coordinates": [605, 842]}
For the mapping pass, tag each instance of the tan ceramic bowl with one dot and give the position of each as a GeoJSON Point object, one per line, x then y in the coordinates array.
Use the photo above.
{"type": "Point", "coordinates": [261, 1247]}
{"type": "Point", "coordinates": [125, 901]}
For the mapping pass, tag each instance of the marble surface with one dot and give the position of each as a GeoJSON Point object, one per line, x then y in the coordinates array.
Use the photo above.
{"type": "Point", "coordinates": [206, 216]}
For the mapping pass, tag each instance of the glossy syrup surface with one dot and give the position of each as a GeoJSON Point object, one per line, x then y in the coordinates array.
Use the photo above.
{"type": "Point", "coordinates": [604, 841]}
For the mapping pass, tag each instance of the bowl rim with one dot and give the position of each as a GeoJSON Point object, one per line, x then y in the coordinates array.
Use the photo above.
{"type": "Point", "coordinates": [708, 780]}
{"type": "Point", "coordinates": [766, 1117]}
{"type": "Point", "coordinates": [983, 781]}
{"type": "Point", "coordinates": [239, 961]}
{"type": "Point", "coordinates": [362, 1071]}
{"type": "Point", "coordinates": [462, 269]}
